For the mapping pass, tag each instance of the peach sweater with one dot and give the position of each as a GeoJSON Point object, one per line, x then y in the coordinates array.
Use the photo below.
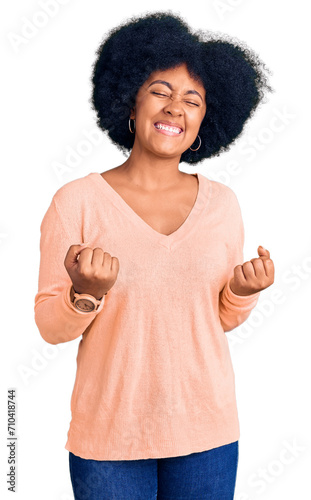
{"type": "Point", "coordinates": [154, 374]}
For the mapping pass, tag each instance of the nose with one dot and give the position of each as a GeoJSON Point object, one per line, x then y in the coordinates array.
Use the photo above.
{"type": "Point", "coordinates": [174, 107]}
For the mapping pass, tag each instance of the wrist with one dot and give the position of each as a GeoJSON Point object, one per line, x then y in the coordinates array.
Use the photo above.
{"type": "Point", "coordinates": [73, 291]}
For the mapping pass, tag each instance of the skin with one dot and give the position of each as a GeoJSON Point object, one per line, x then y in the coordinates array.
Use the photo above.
{"type": "Point", "coordinates": [254, 275]}
{"type": "Point", "coordinates": [152, 168]}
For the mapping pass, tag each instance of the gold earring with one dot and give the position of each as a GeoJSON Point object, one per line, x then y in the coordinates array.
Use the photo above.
{"type": "Point", "coordinates": [132, 131]}
{"type": "Point", "coordinates": [199, 144]}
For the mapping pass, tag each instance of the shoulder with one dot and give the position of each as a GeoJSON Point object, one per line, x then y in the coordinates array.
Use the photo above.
{"type": "Point", "coordinates": [75, 193]}
{"type": "Point", "coordinates": [223, 195]}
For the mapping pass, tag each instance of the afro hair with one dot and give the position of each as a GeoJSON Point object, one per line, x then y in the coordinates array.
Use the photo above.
{"type": "Point", "coordinates": [233, 77]}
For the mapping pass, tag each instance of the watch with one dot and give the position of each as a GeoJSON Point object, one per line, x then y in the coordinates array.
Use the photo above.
{"type": "Point", "coordinates": [86, 303]}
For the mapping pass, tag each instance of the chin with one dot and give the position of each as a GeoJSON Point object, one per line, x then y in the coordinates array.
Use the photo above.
{"type": "Point", "coordinates": [166, 150]}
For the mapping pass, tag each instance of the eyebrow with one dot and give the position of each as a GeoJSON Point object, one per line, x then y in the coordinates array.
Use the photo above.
{"type": "Point", "coordinates": [171, 88]}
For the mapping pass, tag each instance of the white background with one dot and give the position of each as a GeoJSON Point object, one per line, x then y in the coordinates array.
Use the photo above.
{"type": "Point", "coordinates": [46, 114]}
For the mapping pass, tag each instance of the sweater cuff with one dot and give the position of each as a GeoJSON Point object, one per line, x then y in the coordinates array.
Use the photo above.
{"type": "Point", "coordinates": [240, 300]}
{"type": "Point", "coordinates": [67, 303]}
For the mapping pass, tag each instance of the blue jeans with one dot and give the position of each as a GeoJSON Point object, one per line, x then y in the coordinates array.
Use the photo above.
{"type": "Point", "coordinates": [207, 475]}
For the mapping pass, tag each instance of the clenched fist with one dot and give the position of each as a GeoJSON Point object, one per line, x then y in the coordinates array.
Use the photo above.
{"type": "Point", "coordinates": [91, 271]}
{"type": "Point", "coordinates": [254, 275]}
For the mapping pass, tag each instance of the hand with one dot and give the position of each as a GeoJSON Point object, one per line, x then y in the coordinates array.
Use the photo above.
{"type": "Point", "coordinates": [254, 275]}
{"type": "Point", "coordinates": [91, 271]}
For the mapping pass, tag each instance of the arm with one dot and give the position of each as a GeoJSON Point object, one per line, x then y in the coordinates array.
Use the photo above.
{"type": "Point", "coordinates": [235, 309]}
{"type": "Point", "coordinates": [55, 316]}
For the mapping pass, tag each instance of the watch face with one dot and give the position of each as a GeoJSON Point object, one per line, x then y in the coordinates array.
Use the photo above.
{"type": "Point", "coordinates": [85, 305]}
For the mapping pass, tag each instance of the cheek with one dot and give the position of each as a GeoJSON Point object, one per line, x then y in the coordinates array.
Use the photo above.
{"type": "Point", "coordinates": [146, 110]}
{"type": "Point", "coordinates": [194, 121]}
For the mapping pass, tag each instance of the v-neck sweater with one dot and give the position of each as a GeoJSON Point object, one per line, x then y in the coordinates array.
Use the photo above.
{"type": "Point", "coordinates": [154, 374]}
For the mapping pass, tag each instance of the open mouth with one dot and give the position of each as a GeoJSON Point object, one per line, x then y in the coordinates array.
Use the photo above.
{"type": "Point", "coordinates": [168, 129]}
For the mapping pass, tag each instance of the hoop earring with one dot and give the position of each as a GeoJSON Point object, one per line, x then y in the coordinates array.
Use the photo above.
{"type": "Point", "coordinates": [132, 131]}
{"type": "Point", "coordinates": [199, 144]}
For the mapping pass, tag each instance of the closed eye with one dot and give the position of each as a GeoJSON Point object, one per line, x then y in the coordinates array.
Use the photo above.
{"type": "Point", "coordinates": [165, 95]}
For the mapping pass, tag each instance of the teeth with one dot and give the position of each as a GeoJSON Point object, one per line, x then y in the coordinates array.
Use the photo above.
{"type": "Point", "coordinates": [166, 127]}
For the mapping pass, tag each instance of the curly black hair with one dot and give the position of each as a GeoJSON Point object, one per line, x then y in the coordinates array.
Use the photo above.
{"type": "Point", "coordinates": [233, 77]}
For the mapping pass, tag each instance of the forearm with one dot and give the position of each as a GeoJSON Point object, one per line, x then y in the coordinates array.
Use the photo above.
{"type": "Point", "coordinates": [56, 318]}
{"type": "Point", "coordinates": [235, 309]}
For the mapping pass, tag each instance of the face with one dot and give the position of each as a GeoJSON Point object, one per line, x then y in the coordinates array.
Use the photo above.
{"type": "Point", "coordinates": [169, 109]}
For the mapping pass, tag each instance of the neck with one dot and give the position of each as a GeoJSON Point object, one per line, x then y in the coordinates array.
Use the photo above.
{"type": "Point", "coordinates": [151, 172]}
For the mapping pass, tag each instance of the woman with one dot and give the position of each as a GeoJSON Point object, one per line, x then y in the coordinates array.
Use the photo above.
{"type": "Point", "coordinates": [160, 276]}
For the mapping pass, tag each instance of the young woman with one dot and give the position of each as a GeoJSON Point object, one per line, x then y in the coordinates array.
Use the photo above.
{"type": "Point", "coordinates": [160, 276]}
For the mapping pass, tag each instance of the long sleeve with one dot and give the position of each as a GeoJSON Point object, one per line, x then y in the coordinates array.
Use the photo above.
{"type": "Point", "coordinates": [55, 316]}
{"type": "Point", "coordinates": [235, 309]}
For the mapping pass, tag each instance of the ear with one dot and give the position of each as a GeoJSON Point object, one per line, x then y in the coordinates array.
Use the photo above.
{"type": "Point", "coordinates": [132, 114]}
